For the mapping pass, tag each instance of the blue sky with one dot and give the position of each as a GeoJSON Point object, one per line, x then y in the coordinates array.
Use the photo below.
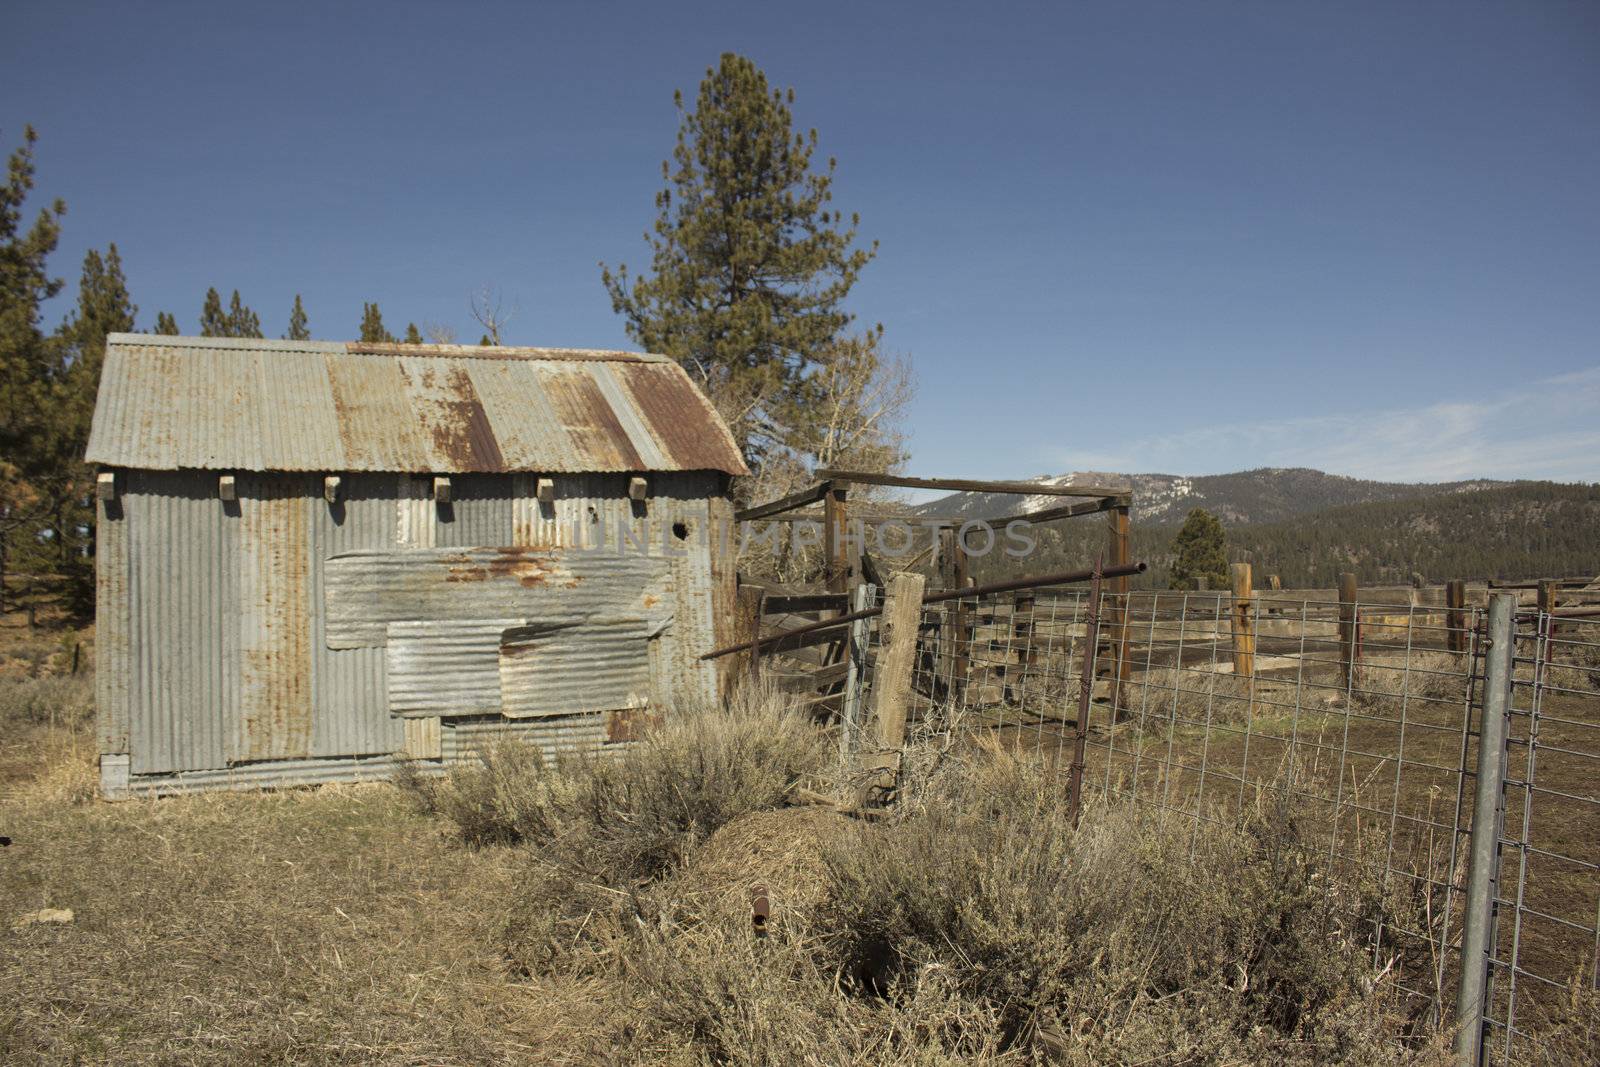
{"type": "Point", "coordinates": [1179, 237]}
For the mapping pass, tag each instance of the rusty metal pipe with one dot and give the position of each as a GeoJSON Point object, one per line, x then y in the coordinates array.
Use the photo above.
{"type": "Point", "coordinates": [1060, 578]}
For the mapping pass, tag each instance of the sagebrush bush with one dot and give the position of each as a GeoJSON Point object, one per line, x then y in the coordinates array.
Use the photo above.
{"type": "Point", "coordinates": [61, 700]}
{"type": "Point", "coordinates": [1125, 940]}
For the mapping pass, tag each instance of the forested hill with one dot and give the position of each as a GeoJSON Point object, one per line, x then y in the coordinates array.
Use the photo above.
{"type": "Point", "coordinates": [1267, 494]}
{"type": "Point", "coordinates": [1516, 530]}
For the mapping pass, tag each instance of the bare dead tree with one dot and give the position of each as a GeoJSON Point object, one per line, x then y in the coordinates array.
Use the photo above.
{"type": "Point", "coordinates": [488, 307]}
{"type": "Point", "coordinates": [438, 333]}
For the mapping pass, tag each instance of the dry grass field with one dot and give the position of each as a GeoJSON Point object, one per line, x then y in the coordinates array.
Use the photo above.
{"type": "Point", "coordinates": [601, 912]}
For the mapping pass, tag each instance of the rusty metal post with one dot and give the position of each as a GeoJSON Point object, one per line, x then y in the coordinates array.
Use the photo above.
{"type": "Point", "coordinates": [1455, 602]}
{"type": "Point", "coordinates": [1244, 623]}
{"type": "Point", "coordinates": [1349, 650]}
{"type": "Point", "coordinates": [1080, 734]}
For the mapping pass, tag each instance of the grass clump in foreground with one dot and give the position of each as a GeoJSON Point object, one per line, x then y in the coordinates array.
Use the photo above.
{"type": "Point", "coordinates": [973, 926]}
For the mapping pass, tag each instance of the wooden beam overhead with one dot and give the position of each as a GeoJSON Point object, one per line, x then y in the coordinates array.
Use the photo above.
{"type": "Point", "coordinates": [965, 485]}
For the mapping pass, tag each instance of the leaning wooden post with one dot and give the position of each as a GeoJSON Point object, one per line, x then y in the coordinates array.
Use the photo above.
{"type": "Point", "coordinates": [1455, 602]}
{"type": "Point", "coordinates": [1117, 613]}
{"type": "Point", "coordinates": [1244, 623]}
{"type": "Point", "coordinates": [1348, 650]}
{"type": "Point", "coordinates": [891, 679]}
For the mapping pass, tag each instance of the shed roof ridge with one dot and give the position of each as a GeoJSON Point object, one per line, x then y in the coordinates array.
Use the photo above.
{"type": "Point", "coordinates": [370, 348]}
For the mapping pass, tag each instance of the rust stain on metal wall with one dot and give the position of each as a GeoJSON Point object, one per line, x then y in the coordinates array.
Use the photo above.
{"type": "Point", "coordinates": [630, 724]}
{"type": "Point", "coordinates": [588, 419]}
{"type": "Point", "coordinates": [275, 622]}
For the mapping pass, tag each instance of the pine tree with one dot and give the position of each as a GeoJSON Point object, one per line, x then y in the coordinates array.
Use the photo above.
{"type": "Point", "coordinates": [166, 325]}
{"type": "Point", "coordinates": [104, 307]}
{"type": "Point", "coordinates": [29, 361]}
{"type": "Point", "coordinates": [413, 335]}
{"type": "Point", "coordinates": [750, 264]}
{"type": "Point", "coordinates": [484, 342]}
{"type": "Point", "coordinates": [213, 320]}
{"type": "Point", "coordinates": [1200, 551]}
{"type": "Point", "coordinates": [242, 322]}
{"type": "Point", "coordinates": [372, 329]}
{"type": "Point", "coordinates": [299, 325]}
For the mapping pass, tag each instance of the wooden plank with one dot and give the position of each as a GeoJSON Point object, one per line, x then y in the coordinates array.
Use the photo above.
{"type": "Point", "coordinates": [856, 663]}
{"type": "Point", "coordinates": [967, 485]}
{"type": "Point", "coordinates": [782, 504]}
{"type": "Point", "coordinates": [1244, 623]}
{"type": "Point", "coordinates": [796, 603]}
{"type": "Point", "coordinates": [891, 683]}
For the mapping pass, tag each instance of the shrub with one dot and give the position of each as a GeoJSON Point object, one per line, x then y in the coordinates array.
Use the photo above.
{"type": "Point", "coordinates": [65, 700]}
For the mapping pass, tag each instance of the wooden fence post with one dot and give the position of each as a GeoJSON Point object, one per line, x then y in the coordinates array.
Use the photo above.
{"type": "Point", "coordinates": [891, 679]}
{"type": "Point", "coordinates": [956, 635]}
{"type": "Point", "coordinates": [1244, 623]}
{"type": "Point", "coordinates": [856, 666]}
{"type": "Point", "coordinates": [749, 606]}
{"type": "Point", "coordinates": [841, 551]}
{"type": "Point", "coordinates": [1547, 608]}
{"type": "Point", "coordinates": [1455, 602]}
{"type": "Point", "coordinates": [1117, 615]}
{"type": "Point", "coordinates": [1023, 607]}
{"type": "Point", "coordinates": [1349, 650]}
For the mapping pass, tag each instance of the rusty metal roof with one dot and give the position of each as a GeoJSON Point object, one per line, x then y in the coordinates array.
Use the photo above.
{"type": "Point", "coordinates": [169, 403]}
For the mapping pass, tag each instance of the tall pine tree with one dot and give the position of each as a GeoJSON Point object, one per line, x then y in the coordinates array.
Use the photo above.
{"type": "Point", "coordinates": [242, 322]}
{"type": "Point", "coordinates": [166, 325]}
{"type": "Point", "coordinates": [29, 361]}
{"type": "Point", "coordinates": [413, 335]}
{"type": "Point", "coordinates": [299, 325]}
{"type": "Point", "coordinates": [104, 307]}
{"type": "Point", "coordinates": [213, 320]}
{"type": "Point", "coordinates": [237, 321]}
{"type": "Point", "coordinates": [372, 329]}
{"type": "Point", "coordinates": [750, 264]}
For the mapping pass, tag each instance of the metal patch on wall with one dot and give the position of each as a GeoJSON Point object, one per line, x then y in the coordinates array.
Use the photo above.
{"type": "Point", "coordinates": [565, 670]}
{"type": "Point", "coordinates": [446, 668]}
{"type": "Point", "coordinates": [368, 590]}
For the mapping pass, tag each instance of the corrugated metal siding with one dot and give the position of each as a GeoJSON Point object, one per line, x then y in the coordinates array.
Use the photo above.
{"type": "Point", "coordinates": [275, 710]}
{"type": "Point", "coordinates": [184, 622]}
{"type": "Point", "coordinates": [348, 686]}
{"type": "Point", "coordinates": [185, 559]}
{"type": "Point", "coordinates": [463, 739]}
{"type": "Point", "coordinates": [111, 628]}
{"type": "Point", "coordinates": [600, 666]}
{"type": "Point", "coordinates": [446, 668]}
{"type": "Point", "coordinates": [368, 590]}
{"type": "Point", "coordinates": [166, 403]}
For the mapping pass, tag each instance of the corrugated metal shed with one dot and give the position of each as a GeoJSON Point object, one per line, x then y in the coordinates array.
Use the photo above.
{"type": "Point", "coordinates": [171, 403]}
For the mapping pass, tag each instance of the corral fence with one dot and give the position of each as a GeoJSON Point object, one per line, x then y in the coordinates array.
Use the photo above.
{"type": "Point", "coordinates": [1445, 758]}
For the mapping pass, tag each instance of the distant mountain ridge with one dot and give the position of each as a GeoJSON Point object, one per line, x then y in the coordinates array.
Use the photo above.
{"type": "Point", "coordinates": [1264, 495]}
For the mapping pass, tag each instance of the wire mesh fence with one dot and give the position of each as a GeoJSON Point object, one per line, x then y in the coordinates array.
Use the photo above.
{"type": "Point", "coordinates": [1363, 718]}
